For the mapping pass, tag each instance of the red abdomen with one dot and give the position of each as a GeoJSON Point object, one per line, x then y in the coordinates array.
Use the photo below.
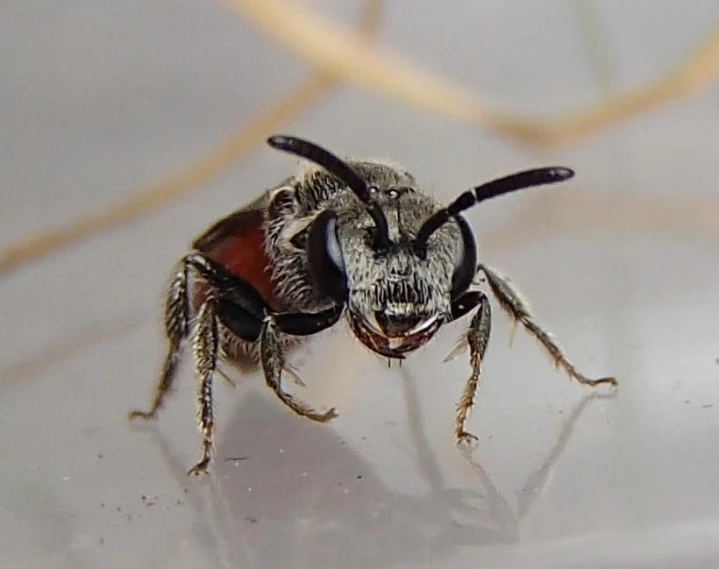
{"type": "Point", "coordinates": [238, 243]}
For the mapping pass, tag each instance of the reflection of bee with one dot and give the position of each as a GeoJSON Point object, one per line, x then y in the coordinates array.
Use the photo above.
{"type": "Point", "coordinates": [354, 238]}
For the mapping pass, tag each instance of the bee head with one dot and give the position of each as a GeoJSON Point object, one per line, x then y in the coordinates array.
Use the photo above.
{"type": "Point", "coordinates": [394, 257]}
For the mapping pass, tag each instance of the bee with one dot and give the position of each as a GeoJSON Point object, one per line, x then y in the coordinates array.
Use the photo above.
{"type": "Point", "coordinates": [349, 239]}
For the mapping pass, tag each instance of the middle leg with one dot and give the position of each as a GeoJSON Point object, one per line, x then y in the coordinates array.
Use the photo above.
{"type": "Point", "coordinates": [205, 346]}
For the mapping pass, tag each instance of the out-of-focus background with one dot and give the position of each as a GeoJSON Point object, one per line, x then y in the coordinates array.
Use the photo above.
{"type": "Point", "coordinates": [102, 99]}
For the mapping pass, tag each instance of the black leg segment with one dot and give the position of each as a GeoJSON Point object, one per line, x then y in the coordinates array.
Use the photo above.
{"type": "Point", "coordinates": [234, 304]}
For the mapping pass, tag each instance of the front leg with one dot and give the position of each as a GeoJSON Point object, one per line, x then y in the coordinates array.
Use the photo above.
{"type": "Point", "coordinates": [477, 338]}
{"type": "Point", "coordinates": [513, 303]}
{"type": "Point", "coordinates": [243, 311]}
{"type": "Point", "coordinates": [272, 356]}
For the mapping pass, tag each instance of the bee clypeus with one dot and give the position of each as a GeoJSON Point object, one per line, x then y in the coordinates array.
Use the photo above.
{"type": "Point", "coordinates": [350, 238]}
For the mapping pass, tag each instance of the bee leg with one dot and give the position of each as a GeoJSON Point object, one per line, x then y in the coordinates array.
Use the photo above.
{"type": "Point", "coordinates": [513, 303]}
{"type": "Point", "coordinates": [176, 330]}
{"type": "Point", "coordinates": [477, 338]}
{"type": "Point", "coordinates": [205, 342]}
{"type": "Point", "coordinates": [238, 306]}
{"type": "Point", "coordinates": [273, 360]}
{"type": "Point", "coordinates": [225, 291]}
{"type": "Point", "coordinates": [177, 324]}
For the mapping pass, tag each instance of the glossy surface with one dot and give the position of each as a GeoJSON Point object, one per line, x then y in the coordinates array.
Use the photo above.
{"type": "Point", "coordinates": [102, 97]}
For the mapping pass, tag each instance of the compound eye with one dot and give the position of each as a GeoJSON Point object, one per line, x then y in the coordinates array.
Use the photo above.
{"type": "Point", "coordinates": [466, 264]}
{"type": "Point", "coordinates": [325, 259]}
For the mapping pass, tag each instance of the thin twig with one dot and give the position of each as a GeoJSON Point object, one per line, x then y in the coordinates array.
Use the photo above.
{"type": "Point", "coordinates": [693, 74]}
{"type": "Point", "coordinates": [379, 70]}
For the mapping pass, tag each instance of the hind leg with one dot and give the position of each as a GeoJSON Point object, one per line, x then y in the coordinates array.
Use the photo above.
{"type": "Point", "coordinates": [177, 325]}
{"type": "Point", "coordinates": [513, 303]}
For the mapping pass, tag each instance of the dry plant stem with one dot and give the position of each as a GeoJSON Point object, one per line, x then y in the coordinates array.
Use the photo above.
{"type": "Point", "coordinates": [695, 73]}
{"type": "Point", "coordinates": [309, 92]}
{"type": "Point", "coordinates": [692, 218]}
{"type": "Point", "coordinates": [334, 49]}
{"type": "Point", "coordinates": [337, 51]}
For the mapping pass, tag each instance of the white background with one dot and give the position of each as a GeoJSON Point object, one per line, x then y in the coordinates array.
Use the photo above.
{"type": "Point", "coordinates": [99, 98]}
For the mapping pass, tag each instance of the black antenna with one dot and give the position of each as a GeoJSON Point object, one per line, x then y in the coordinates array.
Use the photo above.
{"type": "Point", "coordinates": [338, 168]}
{"type": "Point", "coordinates": [511, 183]}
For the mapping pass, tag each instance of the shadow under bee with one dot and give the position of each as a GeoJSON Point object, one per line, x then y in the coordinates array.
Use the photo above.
{"type": "Point", "coordinates": [296, 490]}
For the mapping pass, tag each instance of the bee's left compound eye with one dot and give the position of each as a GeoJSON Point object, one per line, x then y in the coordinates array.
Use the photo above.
{"type": "Point", "coordinates": [324, 256]}
{"type": "Point", "coordinates": [466, 264]}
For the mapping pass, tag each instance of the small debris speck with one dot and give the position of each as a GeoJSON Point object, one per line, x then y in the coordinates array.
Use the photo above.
{"type": "Point", "coordinates": [708, 406]}
{"type": "Point", "coordinates": [359, 477]}
{"type": "Point", "coordinates": [148, 501]}
{"type": "Point", "coordinates": [102, 541]}
{"type": "Point", "coordinates": [236, 459]}
{"type": "Point", "coordinates": [251, 520]}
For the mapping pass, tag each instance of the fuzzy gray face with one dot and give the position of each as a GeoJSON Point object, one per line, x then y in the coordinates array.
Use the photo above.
{"type": "Point", "coordinates": [400, 263]}
{"type": "Point", "coordinates": [397, 299]}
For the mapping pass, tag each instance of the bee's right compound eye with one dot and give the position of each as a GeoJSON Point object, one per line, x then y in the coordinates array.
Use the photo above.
{"type": "Point", "coordinates": [325, 259]}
